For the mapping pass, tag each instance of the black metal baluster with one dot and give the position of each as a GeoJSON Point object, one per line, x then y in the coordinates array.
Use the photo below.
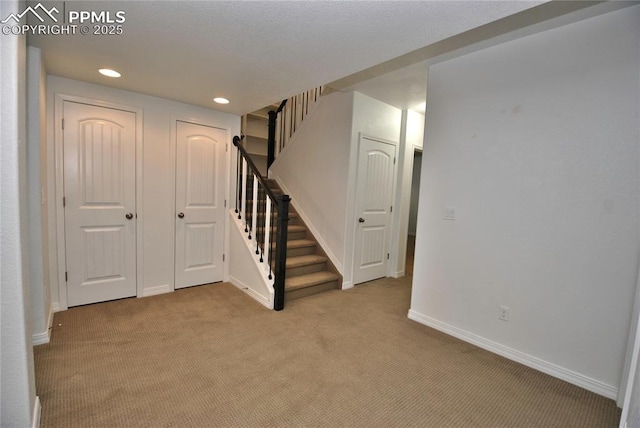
{"type": "Point", "coordinates": [259, 222]}
{"type": "Point", "coordinates": [238, 181]}
{"type": "Point", "coordinates": [272, 240]}
{"type": "Point", "coordinates": [248, 214]}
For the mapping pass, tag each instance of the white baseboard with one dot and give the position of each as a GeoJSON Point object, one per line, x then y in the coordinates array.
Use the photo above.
{"type": "Point", "coordinates": [267, 302]}
{"type": "Point", "coordinates": [517, 356]}
{"type": "Point", "coordinates": [44, 337]}
{"type": "Point", "coordinates": [56, 307]}
{"type": "Point", "coordinates": [398, 274]}
{"type": "Point", "coordinates": [37, 412]}
{"type": "Point", "coordinates": [347, 284]}
{"type": "Point", "coordinates": [158, 289]}
{"type": "Point", "coordinates": [40, 338]}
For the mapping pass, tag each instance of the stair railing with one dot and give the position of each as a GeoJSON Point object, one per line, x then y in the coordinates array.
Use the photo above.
{"type": "Point", "coordinates": [287, 118]}
{"type": "Point", "coordinates": [265, 216]}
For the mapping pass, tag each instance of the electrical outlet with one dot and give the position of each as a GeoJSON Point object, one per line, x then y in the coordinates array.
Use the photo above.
{"type": "Point", "coordinates": [503, 313]}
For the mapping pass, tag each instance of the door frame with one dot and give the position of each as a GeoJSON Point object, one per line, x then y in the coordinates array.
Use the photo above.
{"type": "Point", "coordinates": [352, 214]}
{"type": "Point", "coordinates": [59, 187]}
{"type": "Point", "coordinates": [173, 171]}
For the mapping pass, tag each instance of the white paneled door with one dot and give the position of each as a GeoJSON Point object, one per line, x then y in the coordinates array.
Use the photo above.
{"type": "Point", "coordinates": [374, 196]}
{"type": "Point", "coordinates": [199, 210]}
{"type": "Point", "coordinates": [99, 147]}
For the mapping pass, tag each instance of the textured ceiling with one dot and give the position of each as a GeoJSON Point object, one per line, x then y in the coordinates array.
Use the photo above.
{"type": "Point", "coordinates": [254, 53]}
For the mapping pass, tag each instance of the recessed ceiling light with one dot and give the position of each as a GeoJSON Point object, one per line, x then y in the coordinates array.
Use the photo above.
{"type": "Point", "coordinates": [221, 100]}
{"type": "Point", "coordinates": [108, 72]}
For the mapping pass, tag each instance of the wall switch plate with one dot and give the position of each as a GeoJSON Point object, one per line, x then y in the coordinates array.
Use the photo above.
{"type": "Point", "coordinates": [503, 313]}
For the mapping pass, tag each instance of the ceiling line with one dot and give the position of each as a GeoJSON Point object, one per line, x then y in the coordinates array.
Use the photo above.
{"type": "Point", "coordinates": [520, 21]}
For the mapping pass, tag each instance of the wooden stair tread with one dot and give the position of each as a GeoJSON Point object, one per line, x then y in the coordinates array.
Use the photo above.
{"type": "Point", "coordinates": [311, 259]}
{"type": "Point", "coordinates": [291, 214]}
{"type": "Point", "coordinates": [309, 280]}
{"type": "Point", "coordinates": [300, 243]}
{"type": "Point", "coordinates": [292, 228]}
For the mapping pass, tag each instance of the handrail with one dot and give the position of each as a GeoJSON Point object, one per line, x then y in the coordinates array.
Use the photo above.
{"type": "Point", "coordinates": [258, 221]}
{"type": "Point", "coordinates": [282, 104]}
{"type": "Point", "coordinates": [252, 165]}
{"type": "Point", "coordinates": [271, 139]}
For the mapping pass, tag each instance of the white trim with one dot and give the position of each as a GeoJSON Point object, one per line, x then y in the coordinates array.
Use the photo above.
{"type": "Point", "coordinates": [347, 285]}
{"type": "Point", "coordinates": [59, 185]}
{"type": "Point", "coordinates": [631, 363]}
{"type": "Point", "coordinates": [158, 289]}
{"type": "Point", "coordinates": [40, 338]}
{"type": "Point", "coordinates": [517, 356]}
{"type": "Point", "coordinates": [50, 319]}
{"type": "Point", "coordinates": [37, 412]}
{"type": "Point", "coordinates": [631, 355]}
{"type": "Point", "coordinates": [314, 231]}
{"type": "Point", "coordinates": [45, 337]}
{"type": "Point", "coordinates": [256, 296]}
{"type": "Point", "coordinates": [56, 307]}
{"type": "Point", "coordinates": [139, 202]}
{"type": "Point", "coordinates": [398, 273]}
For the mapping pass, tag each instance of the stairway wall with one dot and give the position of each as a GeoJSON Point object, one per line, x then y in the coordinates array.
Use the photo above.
{"type": "Point", "coordinates": [313, 169]}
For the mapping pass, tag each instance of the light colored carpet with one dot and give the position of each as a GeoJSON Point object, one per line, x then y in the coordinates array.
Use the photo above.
{"type": "Point", "coordinates": [210, 356]}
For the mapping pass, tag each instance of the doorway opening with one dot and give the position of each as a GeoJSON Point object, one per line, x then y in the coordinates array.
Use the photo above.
{"type": "Point", "coordinates": [413, 211]}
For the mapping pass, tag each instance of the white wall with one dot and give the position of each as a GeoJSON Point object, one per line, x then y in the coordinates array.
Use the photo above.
{"type": "Point", "coordinates": [41, 308]}
{"type": "Point", "coordinates": [156, 216]}
{"type": "Point", "coordinates": [313, 170]}
{"type": "Point", "coordinates": [19, 406]}
{"type": "Point", "coordinates": [535, 143]}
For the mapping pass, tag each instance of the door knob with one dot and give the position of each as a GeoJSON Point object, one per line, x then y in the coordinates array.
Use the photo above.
{"type": "Point", "coordinates": [129, 216]}
{"type": "Point", "coordinates": [180, 215]}
{"type": "Point", "coordinates": [360, 220]}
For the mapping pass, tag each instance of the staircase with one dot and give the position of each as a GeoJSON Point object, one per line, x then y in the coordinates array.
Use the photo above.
{"type": "Point", "coordinates": [308, 269]}
{"type": "Point", "coordinates": [289, 254]}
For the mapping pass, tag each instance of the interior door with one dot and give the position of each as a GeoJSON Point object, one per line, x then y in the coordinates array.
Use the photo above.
{"type": "Point", "coordinates": [374, 196]}
{"type": "Point", "coordinates": [200, 177]}
{"type": "Point", "coordinates": [99, 203]}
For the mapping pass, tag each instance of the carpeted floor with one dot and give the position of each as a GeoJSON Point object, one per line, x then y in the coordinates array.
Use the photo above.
{"type": "Point", "coordinates": [210, 356]}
